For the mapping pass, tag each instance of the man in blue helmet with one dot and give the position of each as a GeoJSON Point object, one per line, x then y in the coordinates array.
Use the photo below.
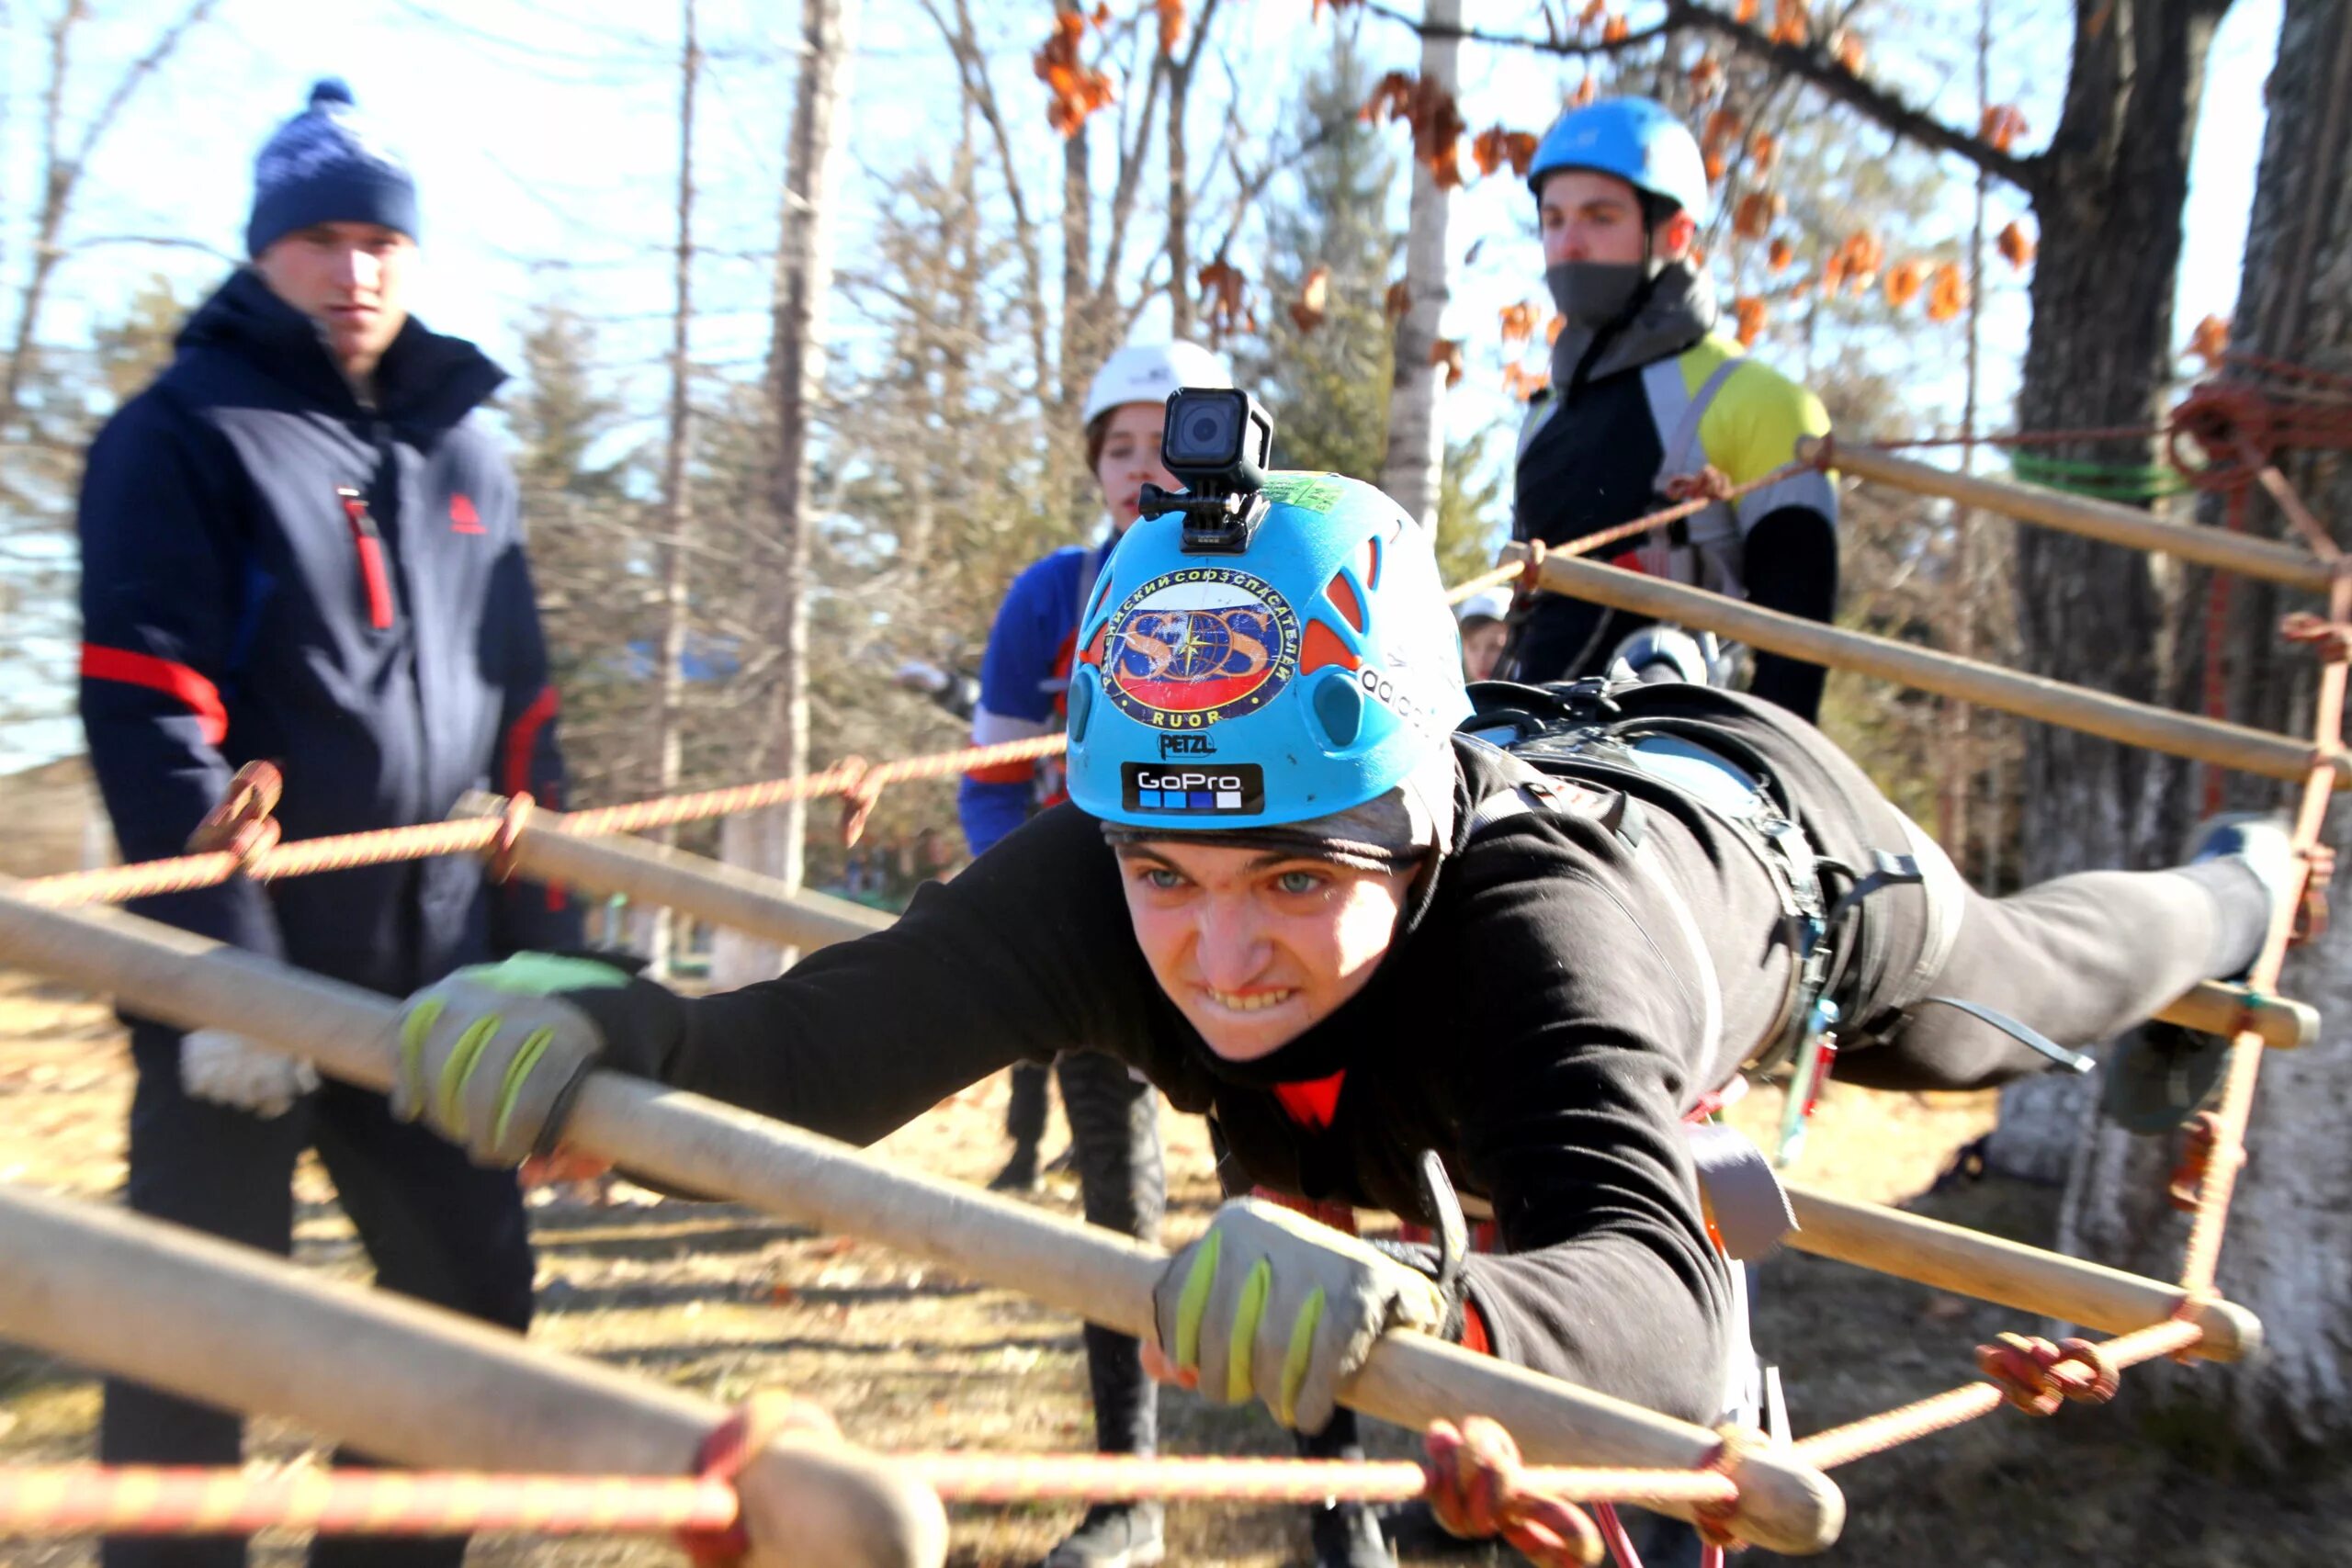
{"type": "Point", "coordinates": [1644, 390]}
{"type": "Point", "coordinates": [1291, 892]}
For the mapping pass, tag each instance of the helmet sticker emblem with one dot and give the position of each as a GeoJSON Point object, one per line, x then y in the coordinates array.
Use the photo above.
{"type": "Point", "coordinates": [1190, 649]}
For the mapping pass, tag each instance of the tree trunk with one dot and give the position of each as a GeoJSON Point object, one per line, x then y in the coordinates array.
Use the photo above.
{"type": "Point", "coordinates": [1415, 465]}
{"type": "Point", "coordinates": [2107, 199]}
{"type": "Point", "coordinates": [669, 749]}
{"type": "Point", "coordinates": [804, 277]}
{"type": "Point", "coordinates": [2291, 1226]}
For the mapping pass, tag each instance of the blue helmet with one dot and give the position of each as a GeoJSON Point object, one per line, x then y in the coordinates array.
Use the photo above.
{"type": "Point", "coordinates": [1638, 141]}
{"type": "Point", "coordinates": [1308, 674]}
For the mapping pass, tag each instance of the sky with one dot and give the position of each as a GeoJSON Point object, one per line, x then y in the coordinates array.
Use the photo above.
{"type": "Point", "coordinates": [544, 137]}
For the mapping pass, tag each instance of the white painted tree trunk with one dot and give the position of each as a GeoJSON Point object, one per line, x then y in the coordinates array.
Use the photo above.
{"type": "Point", "coordinates": [1415, 466]}
{"type": "Point", "coordinates": [803, 279]}
{"type": "Point", "coordinates": [2288, 1254]}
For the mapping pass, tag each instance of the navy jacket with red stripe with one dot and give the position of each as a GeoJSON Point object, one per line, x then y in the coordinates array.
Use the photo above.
{"type": "Point", "coordinates": [271, 569]}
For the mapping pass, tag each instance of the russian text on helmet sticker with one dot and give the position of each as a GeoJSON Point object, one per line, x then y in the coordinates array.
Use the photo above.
{"type": "Point", "coordinates": [1308, 492]}
{"type": "Point", "coordinates": [1197, 646]}
{"type": "Point", "coordinates": [1205, 790]}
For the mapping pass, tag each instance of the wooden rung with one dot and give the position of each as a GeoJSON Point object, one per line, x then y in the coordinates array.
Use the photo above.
{"type": "Point", "coordinates": [2116, 718]}
{"type": "Point", "coordinates": [1988, 1268]}
{"type": "Point", "coordinates": [2215, 1007]}
{"type": "Point", "coordinates": [2272, 560]}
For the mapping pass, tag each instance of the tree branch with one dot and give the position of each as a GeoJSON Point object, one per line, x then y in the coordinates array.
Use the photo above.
{"type": "Point", "coordinates": [1815, 65]}
{"type": "Point", "coordinates": [1803, 61]}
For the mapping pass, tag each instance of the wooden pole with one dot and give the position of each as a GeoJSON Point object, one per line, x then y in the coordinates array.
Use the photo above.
{"type": "Point", "coordinates": [698, 1146]}
{"type": "Point", "coordinates": [2273, 561]}
{"type": "Point", "coordinates": [766, 907]}
{"type": "Point", "coordinates": [1988, 685]}
{"type": "Point", "coordinates": [1991, 1270]}
{"type": "Point", "coordinates": [415, 1384]}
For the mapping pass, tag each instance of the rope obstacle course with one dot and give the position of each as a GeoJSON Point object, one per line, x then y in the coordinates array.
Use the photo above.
{"type": "Point", "coordinates": [1736, 1485]}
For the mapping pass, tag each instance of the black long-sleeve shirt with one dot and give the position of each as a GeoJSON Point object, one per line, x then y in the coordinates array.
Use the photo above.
{"type": "Point", "coordinates": [1541, 1021]}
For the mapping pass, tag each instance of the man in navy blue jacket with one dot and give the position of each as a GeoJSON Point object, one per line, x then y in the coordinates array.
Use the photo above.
{"type": "Point", "coordinates": [296, 546]}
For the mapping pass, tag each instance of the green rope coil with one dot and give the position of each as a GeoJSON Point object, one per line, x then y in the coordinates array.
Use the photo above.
{"type": "Point", "coordinates": [2102, 481]}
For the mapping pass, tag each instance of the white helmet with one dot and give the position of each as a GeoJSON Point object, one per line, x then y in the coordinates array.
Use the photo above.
{"type": "Point", "coordinates": [1487, 604]}
{"type": "Point", "coordinates": [1147, 373]}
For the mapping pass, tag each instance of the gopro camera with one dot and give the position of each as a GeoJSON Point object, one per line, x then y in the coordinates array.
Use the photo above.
{"type": "Point", "coordinates": [1218, 441]}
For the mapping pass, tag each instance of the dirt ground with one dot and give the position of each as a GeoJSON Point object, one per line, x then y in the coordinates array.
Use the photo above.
{"type": "Point", "coordinates": [721, 1300]}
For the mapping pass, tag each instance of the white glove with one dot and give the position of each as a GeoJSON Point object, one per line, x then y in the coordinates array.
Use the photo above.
{"type": "Point", "coordinates": [228, 1069]}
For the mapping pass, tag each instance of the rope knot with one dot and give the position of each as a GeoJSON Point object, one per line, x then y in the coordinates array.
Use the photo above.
{"type": "Point", "coordinates": [242, 824]}
{"type": "Point", "coordinates": [731, 1445]}
{"type": "Point", "coordinates": [2200, 1149]}
{"type": "Point", "coordinates": [512, 820]}
{"type": "Point", "coordinates": [1706, 483]}
{"type": "Point", "coordinates": [1713, 1520]}
{"type": "Point", "coordinates": [1475, 1493]}
{"type": "Point", "coordinates": [2221, 434]}
{"type": "Point", "coordinates": [861, 791]}
{"type": "Point", "coordinates": [2038, 1377]}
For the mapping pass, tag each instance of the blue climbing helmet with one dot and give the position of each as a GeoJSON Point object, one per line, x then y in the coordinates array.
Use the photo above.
{"type": "Point", "coordinates": [1309, 672]}
{"type": "Point", "coordinates": [1637, 139]}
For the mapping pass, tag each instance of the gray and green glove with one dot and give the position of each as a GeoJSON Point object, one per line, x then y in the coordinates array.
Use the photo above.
{"type": "Point", "coordinates": [491, 1057]}
{"type": "Point", "coordinates": [1267, 1304]}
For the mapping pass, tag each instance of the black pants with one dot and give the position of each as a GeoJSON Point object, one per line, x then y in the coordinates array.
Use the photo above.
{"type": "Point", "coordinates": [438, 1228]}
{"type": "Point", "coordinates": [1114, 1138]}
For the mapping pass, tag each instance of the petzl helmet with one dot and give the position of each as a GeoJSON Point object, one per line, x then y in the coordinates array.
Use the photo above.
{"type": "Point", "coordinates": [1637, 139]}
{"type": "Point", "coordinates": [1306, 673]}
{"type": "Point", "coordinates": [1147, 373]}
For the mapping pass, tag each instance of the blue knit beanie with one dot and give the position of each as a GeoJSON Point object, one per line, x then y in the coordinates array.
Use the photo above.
{"type": "Point", "coordinates": [326, 166]}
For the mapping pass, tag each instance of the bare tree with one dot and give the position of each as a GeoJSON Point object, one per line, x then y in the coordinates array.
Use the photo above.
{"type": "Point", "coordinates": [677, 514]}
{"type": "Point", "coordinates": [61, 171]}
{"type": "Point", "coordinates": [772, 841]}
{"type": "Point", "coordinates": [2292, 1223]}
{"type": "Point", "coordinates": [1415, 465]}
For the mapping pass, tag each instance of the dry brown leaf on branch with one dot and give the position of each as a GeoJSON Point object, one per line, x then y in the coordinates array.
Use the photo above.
{"type": "Point", "coordinates": [1591, 14]}
{"type": "Point", "coordinates": [1586, 91]}
{"type": "Point", "coordinates": [1447, 352]}
{"type": "Point", "coordinates": [1400, 300]}
{"type": "Point", "coordinates": [1779, 257]}
{"type": "Point", "coordinates": [1519, 323]}
{"type": "Point", "coordinates": [1757, 212]}
{"type": "Point", "coordinates": [1856, 261]}
{"type": "Point", "coordinates": [2001, 126]}
{"type": "Point", "coordinates": [1752, 316]}
{"type": "Point", "coordinates": [2210, 340]}
{"type": "Point", "coordinates": [1715, 167]}
{"type": "Point", "coordinates": [1849, 53]}
{"type": "Point", "coordinates": [1436, 120]}
{"type": "Point", "coordinates": [1744, 13]}
{"type": "Point", "coordinates": [1616, 29]}
{"type": "Point", "coordinates": [1791, 24]}
{"type": "Point", "coordinates": [1947, 293]}
{"type": "Point", "coordinates": [1074, 89]}
{"type": "Point", "coordinates": [1307, 311]}
{"type": "Point", "coordinates": [1904, 281]}
{"type": "Point", "coordinates": [1723, 130]}
{"type": "Point", "coordinates": [1523, 383]}
{"type": "Point", "coordinates": [1171, 25]}
{"type": "Point", "coordinates": [1706, 77]}
{"type": "Point", "coordinates": [1763, 151]}
{"type": "Point", "coordinates": [1101, 17]}
{"type": "Point", "coordinates": [2015, 245]}
{"type": "Point", "coordinates": [1498, 145]}
{"type": "Point", "coordinates": [1225, 296]}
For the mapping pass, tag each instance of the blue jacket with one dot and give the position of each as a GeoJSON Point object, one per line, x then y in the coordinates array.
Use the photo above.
{"type": "Point", "coordinates": [1024, 682]}
{"type": "Point", "coordinates": [272, 571]}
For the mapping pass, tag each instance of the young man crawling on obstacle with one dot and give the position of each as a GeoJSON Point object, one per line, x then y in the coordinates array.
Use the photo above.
{"type": "Point", "coordinates": [1293, 894]}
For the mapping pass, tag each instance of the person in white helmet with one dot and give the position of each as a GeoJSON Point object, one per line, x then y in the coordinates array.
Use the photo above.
{"type": "Point", "coordinates": [1113, 1116]}
{"type": "Point", "coordinates": [1484, 620]}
